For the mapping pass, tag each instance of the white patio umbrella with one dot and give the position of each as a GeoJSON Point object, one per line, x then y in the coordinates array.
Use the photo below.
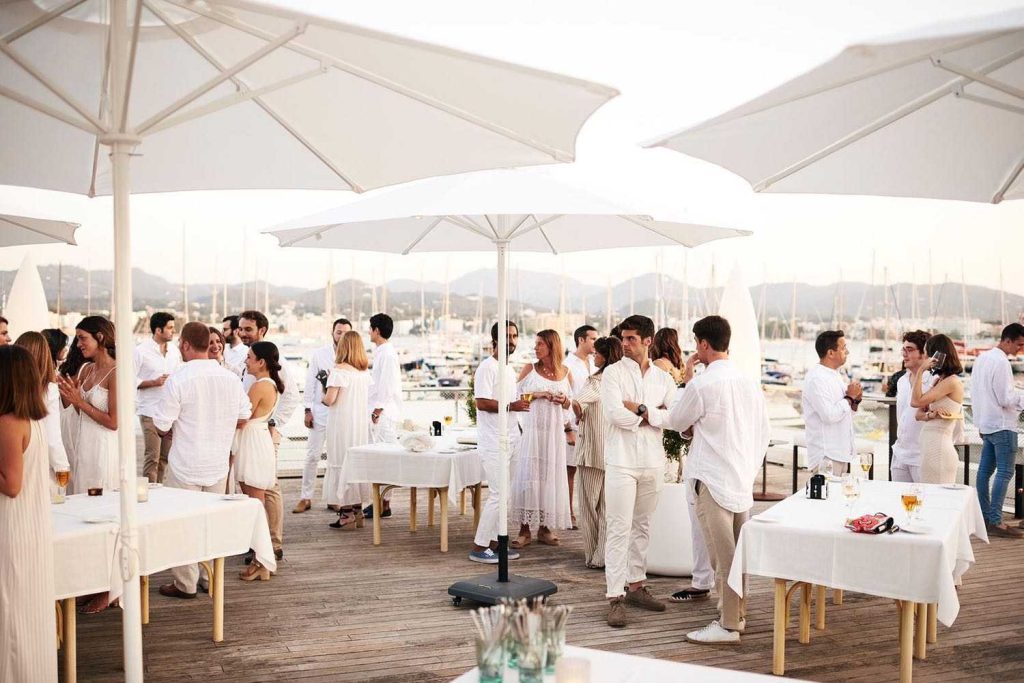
{"type": "Point", "coordinates": [737, 306]}
{"type": "Point", "coordinates": [491, 211]}
{"type": "Point", "coordinates": [938, 113]}
{"type": "Point", "coordinates": [16, 231]}
{"type": "Point", "coordinates": [241, 94]}
{"type": "Point", "coordinates": [26, 308]}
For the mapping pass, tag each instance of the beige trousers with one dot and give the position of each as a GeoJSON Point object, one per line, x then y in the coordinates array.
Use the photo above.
{"type": "Point", "coordinates": [156, 449]}
{"type": "Point", "coordinates": [187, 577]}
{"type": "Point", "coordinates": [273, 503]}
{"type": "Point", "coordinates": [721, 529]}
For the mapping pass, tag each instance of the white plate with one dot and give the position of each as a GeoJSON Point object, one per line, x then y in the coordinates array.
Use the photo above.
{"type": "Point", "coordinates": [954, 487]}
{"type": "Point", "coordinates": [446, 450]}
{"type": "Point", "coordinates": [155, 485]}
{"type": "Point", "coordinates": [917, 529]}
{"type": "Point", "coordinates": [234, 496]}
{"type": "Point", "coordinates": [100, 519]}
{"type": "Point", "coordinates": [467, 440]}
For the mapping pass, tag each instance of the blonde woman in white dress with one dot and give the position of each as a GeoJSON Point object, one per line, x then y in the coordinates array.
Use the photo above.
{"type": "Point", "coordinates": [540, 491]}
{"type": "Point", "coordinates": [27, 622]}
{"type": "Point", "coordinates": [941, 410]}
{"type": "Point", "coordinates": [347, 397]}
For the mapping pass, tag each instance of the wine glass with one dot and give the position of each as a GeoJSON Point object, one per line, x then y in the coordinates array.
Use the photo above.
{"type": "Point", "coordinates": [910, 500]}
{"type": "Point", "coordinates": [528, 396]}
{"type": "Point", "coordinates": [851, 491]}
{"type": "Point", "coordinates": [448, 419]}
{"type": "Point", "coordinates": [63, 477]}
{"type": "Point", "coordinates": [866, 461]}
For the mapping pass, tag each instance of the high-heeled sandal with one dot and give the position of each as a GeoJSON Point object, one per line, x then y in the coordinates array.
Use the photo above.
{"type": "Point", "coordinates": [344, 521]}
{"type": "Point", "coordinates": [360, 518]}
{"type": "Point", "coordinates": [548, 538]}
{"type": "Point", "coordinates": [521, 542]}
{"type": "Point", "coordinates": [254, 572]}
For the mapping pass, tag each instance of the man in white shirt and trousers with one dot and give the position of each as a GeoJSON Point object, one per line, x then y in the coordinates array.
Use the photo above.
{"type": "Point", "coordinates": [580, 369]}
{"type": "Point", "coordinates": [906, 451]}
{"type": "Point", "coordinates": [252, 327]}
{"type": "Point", "coordinates": [727, 412]}
{"type": "Point", "coordinates": [155, 359]}
{"type": "Point", "coordinates": [996, 404]}
{"type": "Point", "coordinates": [315, 414]}
{"type": "Point", "coordinates": [204, 404]}
{"type": "Point", "coordinates": [635, 397]}
{"type": "Point", "coordinates": [829, 403]}
{"type": "Point", "coordinates": [385, 396]}
{"type": "Point", "coordinates": [235, 352]}
{"type": "Point", "coordinates": [485, 393]}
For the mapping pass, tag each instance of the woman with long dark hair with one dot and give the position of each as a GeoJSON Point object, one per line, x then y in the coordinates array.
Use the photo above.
{"type": "Point", "coordinates": [70, 420]}
{"type": "Point", "coordinates": [941, 410]}
{"type": "Point", "coordinates": [540, 491]}
{"type": "Point", "coordinates": [666, 354]}
{"type": "Point", "coordinates": [36, 344]}
{"type": "Point", "coordinates": [590, 454]}
{"type": "Point", "coordinates": [255, 462]}
{"type": "Point", "coordinates": [27, 622]}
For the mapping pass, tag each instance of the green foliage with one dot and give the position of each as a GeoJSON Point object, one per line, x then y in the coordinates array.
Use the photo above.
{"type": "Point", "coordinates": [674, 444]}
{"type": "Point", "coordinates": [471, 401]}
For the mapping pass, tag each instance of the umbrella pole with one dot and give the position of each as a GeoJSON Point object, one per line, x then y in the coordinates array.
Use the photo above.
{"type": "Point", "coordinates": [121, 146]}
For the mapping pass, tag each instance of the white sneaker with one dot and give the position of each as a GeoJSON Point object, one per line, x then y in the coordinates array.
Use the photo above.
{"type": "Point", "coordinates": [714, 634]}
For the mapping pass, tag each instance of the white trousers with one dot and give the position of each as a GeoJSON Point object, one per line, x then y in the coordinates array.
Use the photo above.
{"type": "Point", "coordinates": [703, 577]}
{"type": "Point", "coordinates": [187, 577]}
{"type": "Point", "coordinates": [906, 473]}
{"type": "Point", "coordinates": [314, 452]}
{"type": "Point", "coordinates": [488, 528]}
{"type": "Point", "coordinates": [631, 497]}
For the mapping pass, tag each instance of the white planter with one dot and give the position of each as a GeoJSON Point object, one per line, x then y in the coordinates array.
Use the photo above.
{"type": "Point", "coordinates": [671, 552]}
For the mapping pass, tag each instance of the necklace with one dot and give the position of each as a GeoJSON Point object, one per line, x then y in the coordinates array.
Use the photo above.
{"type": "Point", "coordinates": [545, 372]}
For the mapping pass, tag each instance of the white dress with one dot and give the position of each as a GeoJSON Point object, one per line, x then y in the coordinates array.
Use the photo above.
{"type": "Point", "coordinates": [28, 626]}
{"type": "Point", "coordinates": [96, 458]}
{"type": "Point", "coordinates": [255, 459]}
{"type": "Point", "coordinates": [347, 427]}
{"type": "Point", "coordinates": [540, 489]}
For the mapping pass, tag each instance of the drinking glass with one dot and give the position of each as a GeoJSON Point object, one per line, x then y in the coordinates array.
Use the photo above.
{"type": "Point", "coordinates": [910, 501]}
{"type": "Point", "coordinates": [532, 658]}
{"type": "Point", "coordinates": [63, 477]}
{"type": "Point", "coordinates": [448, 419]}
{"type": "Point", "coordinates": [940, 358]}
{"type": "Point", "coordinates": [490, 660]}
{"type": "Point", "coordinates": [866, 461]}
{"type": "Point", "coordinates": [556, 646]}
{"type": "Point", "coordinates": [528, 396]}
{"type": "Point", "coordinates": [851, 491]}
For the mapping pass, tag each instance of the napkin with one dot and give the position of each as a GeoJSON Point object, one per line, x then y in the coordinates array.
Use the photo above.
{"type": "Point", "coordinates": [417, 443]}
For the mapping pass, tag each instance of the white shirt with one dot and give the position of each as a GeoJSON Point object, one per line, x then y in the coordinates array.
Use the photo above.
{"type": "Point", "coordinates": [485, 385]}
{"type": "Point", "coordinates": [51, 425]}
{"type": "Point", "coordinates": [288, 401]}
{"type": "Point", "coordinates": [729, 416]}
{"type": "Point", "coordinates": [628, 443]}
{"type": "Point", "coordinates": [234, 358]}
{"type": "Point", "coordinates": [907, 449]}
{"type": "Point", "coordinates": [150, 364]}
{"type": "Point", "coordinates": [203, 402]}
{"type": "Point", "coordinates": [579, 371]}
{"type": "Point", "coordinates": [828, 417]}
{"type": "Point", "coordinates": [995, 402]}
{"type": "Point", "coordinates": [322, 359]}
{"type": "Point", "coordinates": [386, 389]}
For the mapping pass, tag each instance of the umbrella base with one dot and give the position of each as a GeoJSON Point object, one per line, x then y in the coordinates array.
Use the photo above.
{"type": "Point", "coordinates": [488, 590]}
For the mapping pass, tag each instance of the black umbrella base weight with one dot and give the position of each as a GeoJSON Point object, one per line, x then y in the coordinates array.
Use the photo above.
{"type": "Point", "coordinates": [488, 590]}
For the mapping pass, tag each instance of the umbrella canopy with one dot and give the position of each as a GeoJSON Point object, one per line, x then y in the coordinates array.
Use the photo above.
{"type": "Point", "coordinates": [22, 230]}
{"type": "Point", "coordinates": [26, 308]}
{"type": "Point", "coordinates": [737, 307]}
{"type": "Point", "coordinates": [239, 94]}
{"type": "Point", "coordinates": [532, 210]}
{"type": "Point", "coordinates": [936, 114]}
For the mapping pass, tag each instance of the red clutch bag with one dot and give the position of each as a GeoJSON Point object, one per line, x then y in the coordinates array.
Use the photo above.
{"type": "Point", "coordinates": [878, 523]}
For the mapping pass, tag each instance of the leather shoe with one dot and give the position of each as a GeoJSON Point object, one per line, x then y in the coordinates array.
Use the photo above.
{"type": "Point", "coordinates": [172, 591]}
{"type": "Point", "coordinates": [302, 506]}
{"type": "Point", "coordinates": [279, 553]}
{"type": "Point", "coordinates": [250, 556]}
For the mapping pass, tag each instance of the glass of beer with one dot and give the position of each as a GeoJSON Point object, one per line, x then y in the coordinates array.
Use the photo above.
{"type": "Point", "coordinates": [63, 477]}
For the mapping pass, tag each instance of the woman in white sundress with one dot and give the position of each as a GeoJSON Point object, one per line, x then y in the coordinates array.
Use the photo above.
{"type": "Point", "coordinates": [347, 397]}
{"type": "Point", "coordinates": [27, 622]}
{"type": "Point", "coordinates": [540, 490]}
{"type": "Point", "coordinates": [941, 410]}
{"type": "Point", "coordinates": [70, 421]}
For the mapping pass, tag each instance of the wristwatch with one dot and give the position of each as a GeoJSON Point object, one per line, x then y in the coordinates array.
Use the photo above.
{"type": "Point", "coordinates": [272, 422]}
{"type": "Point", "coordinates": [641, 409]}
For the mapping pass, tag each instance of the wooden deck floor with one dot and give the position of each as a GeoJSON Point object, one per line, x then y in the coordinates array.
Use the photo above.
{"type": "Point", "coordinates": [342, 610]}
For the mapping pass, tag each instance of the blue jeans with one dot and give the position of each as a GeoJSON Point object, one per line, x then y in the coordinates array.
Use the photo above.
{"type": "Point", "coordinates": [997, 454]}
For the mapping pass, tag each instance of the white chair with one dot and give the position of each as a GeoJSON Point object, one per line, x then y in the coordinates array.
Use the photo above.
{"type": "Point", "coordinates": [670, 552]}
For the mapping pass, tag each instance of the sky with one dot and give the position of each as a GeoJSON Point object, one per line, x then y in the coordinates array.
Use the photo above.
{"type": "Point", "coordinates": [675, 65]}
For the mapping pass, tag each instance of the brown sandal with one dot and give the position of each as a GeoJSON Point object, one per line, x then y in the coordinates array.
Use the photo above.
{"type": "Point", "coordinates": [520, 542]}
{"type": "Point", "coordinates": [549, 539]}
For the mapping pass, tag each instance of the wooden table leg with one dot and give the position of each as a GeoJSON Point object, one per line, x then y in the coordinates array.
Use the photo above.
{"type": "Point", "coordinates": [933, 622]}
{"type": "Point", "coordinates": [920, 630]}
{"type": "Point", "coordinates": [819, 604]}
{"type": "Point", "coordinates": [412, 508]}
{"type": "Point", "coordinates": [443, 495]}
{"type": "Point", "coordinates": [477, 495]}
{"type": "Point", "coordinates": [430, 506]}
{"type": "Point", "coordinates": [462, 502]}
{"type": "Point", "coordinates": [906, 641]}
{"type": "Point", "coordinates": [217, 589]}
{"type": "Point", "coordinates": [781, 619]}
{"type": "Point", "coordinates": [805, 613]}
{"type": "Point", "coordinates": [837, 596]}
{"type": "Point", "coordinates": [70, 644]}
{"type": "Point", "coordinates": [376, 514]}
{"type": "Point", "coordinates": [144, 605]}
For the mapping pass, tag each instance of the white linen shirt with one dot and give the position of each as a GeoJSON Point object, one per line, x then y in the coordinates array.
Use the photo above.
{"type": "Point", "coordinates": [995, 403]}
{"type": "Point", "coordinates": [234, 358]}
{"type": "Point", "coordinates": [729, 416]}
{"type": "Point", "coordinates": [386, 389]}
{"type": "Point", "coordinates": [485, 385]}
{"type": "Point", "coordinates": [313, 396]}
{"type": "Point", "coordinates": [828, 417]}
{"type": "Point", "coordinates": [288, 401]}
{"type": "Point", "coordinates": [628, 442]}
{"type": "Point", "coordinates": [203, 402]}
{"type": "Point", "coordinates": [151, 364]}
{"type": "Point", "coordinates": [579, 371]}
{"type": "Point", "coordinates": [907, 448]}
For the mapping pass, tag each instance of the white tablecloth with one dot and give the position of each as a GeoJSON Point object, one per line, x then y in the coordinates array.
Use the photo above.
{"type": "Point", "coordinates": [391, 464]}
{"type": "Point", "coordinates": [804, 540]}
{"type": "Point", "coordinates": [176, 527]}
{"type": "Point", "coordinates": [612, 667]}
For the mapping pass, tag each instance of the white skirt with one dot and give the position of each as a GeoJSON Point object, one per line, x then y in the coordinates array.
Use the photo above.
{"type": "Point", "coordinates": [255, 459]}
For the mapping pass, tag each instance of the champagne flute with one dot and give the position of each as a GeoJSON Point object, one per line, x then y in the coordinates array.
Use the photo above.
{"type": "Point", "coordinates": [866, 461]}
{"type": "Point", "coordinates": [851, 491]}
